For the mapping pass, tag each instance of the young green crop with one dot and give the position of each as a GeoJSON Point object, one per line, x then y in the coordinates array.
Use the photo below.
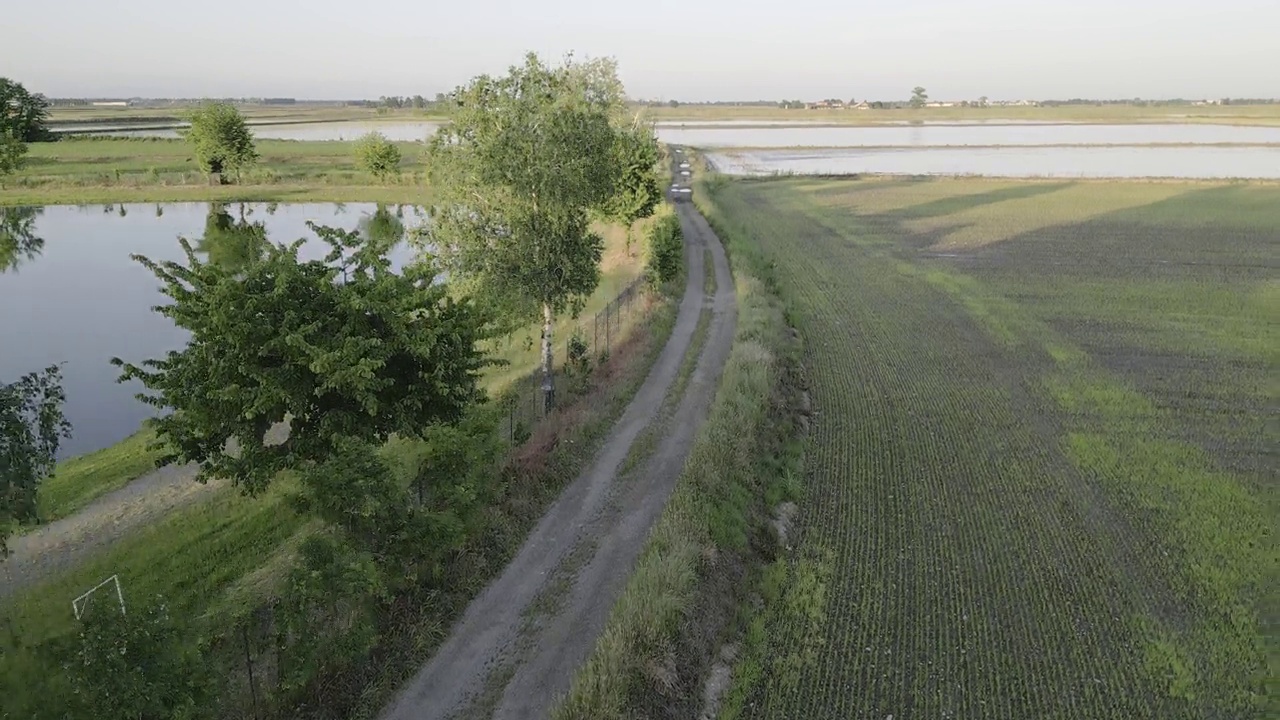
{"type": "Point", "coordinates": [1037, 484]}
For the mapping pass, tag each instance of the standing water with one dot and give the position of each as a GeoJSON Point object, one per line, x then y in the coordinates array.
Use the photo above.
{"type": "Point", "coordinates": [72, 294]}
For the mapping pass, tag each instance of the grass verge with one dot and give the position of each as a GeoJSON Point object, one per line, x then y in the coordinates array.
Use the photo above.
{"type": "Point", "coordinates": [78, 481]}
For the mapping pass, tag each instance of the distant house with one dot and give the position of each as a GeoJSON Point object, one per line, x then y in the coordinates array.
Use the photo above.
{"type": "Point", "coordinates": [864, 105]}
{"type": "Point", "coordinates": [939, 104]}
{"type": "Point", "coordinates": [829, 104]}
{"type": "Point", "coordinates": [110, 103]}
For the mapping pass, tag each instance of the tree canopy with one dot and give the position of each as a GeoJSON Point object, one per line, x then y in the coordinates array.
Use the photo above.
{"type": "Point", "coordinates": [221, 139]}
{"type": "Point", "coordinates": [23, 114]}
{"type": "Point", "coordinates": [525, 162]}
{"type": "Point", "coordinates": [918, 97]}
{"type": "Point", "coordinates": [31, 429]}
{"type": "Point", "coordinates": [340, 348]}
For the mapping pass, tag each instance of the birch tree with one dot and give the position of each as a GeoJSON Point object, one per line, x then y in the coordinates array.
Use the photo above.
{"type": "Point", "coordinates": [524, 164]}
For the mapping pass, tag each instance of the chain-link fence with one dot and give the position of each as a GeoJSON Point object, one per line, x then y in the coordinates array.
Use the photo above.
{"type": "Point", "coordinates": [586, 343]}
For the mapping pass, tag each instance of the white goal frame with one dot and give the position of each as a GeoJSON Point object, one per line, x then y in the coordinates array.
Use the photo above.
{"type": "Point", "coordinates": [79, 604]}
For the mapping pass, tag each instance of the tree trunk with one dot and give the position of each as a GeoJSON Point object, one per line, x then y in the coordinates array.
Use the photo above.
{"type": "Point", "coordinates": [548, 358]}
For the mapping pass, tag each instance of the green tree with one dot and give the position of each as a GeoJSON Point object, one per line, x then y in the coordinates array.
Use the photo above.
{"type": "Point", "coordinates": [229, 242]}
{"type": "Point", "coordinates": [12, 154]}
{"type": "Point", "coordinates": [31, 429]}
{"type": "Point", "coordinates": [525, 161]}
{"type": "Point", "coordinates": [342, 347]}
{"type": "Point", "coordinates": [135, 665]}
{"type": "Point", "coordinates": [639, 189]}
{"type": "Point", "coordinates": [918, 97]}
{"type": "Point", "coordinates": [378, 155]}
{"type": "Point", "coordinates": [23, 114]}
{"type": "Point", "coordinates": [221, 139]}
{"type": "Point", "coordinates": [18, 239]}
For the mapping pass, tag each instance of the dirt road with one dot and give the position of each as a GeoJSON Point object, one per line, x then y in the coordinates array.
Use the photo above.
{"type": "Point", "coordinates": [504, 660]}
{"type": "Point", "coordinates": [50, 549]}
{"type": "Point", "coordinates": [61, 544]}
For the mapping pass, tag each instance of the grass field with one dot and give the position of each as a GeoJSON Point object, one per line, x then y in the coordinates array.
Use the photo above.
{"type": "Point", "coordinates": [1041, 481]}
{"type": "Point", "coordinates": [77, 481]}
{"type": "Point", "coordinates": [91, 170]}
{"type": "Point", "coordinates": [1221, 114]}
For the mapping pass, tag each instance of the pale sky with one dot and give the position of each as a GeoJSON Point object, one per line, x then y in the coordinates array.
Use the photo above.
{"type": "Point", "coordinates": [669, 49]}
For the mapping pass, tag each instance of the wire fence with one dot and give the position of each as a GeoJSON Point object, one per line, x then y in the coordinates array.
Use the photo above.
{"type": "Point", "coordinates": [586, 343]}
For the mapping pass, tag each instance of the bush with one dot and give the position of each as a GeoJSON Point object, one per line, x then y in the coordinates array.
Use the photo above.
{"type": "Point", "coordinates": [378, 155]}
{"type": "Point", "coordinates": [135, 666]}
{"type": "Point", "coordinates": [221, 139]}
{"type": "Point", "coordinates": [666, 250]}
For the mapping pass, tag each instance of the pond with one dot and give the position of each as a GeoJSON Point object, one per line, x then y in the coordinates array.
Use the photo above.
{"type": "Point", "coordinates": [72, 295]}
{"type": "Point", "coordinates": [1202, 162]}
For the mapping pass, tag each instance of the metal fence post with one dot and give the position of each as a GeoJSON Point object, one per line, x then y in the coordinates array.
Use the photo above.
{"type": "Point", "coordinates": [248, 661]}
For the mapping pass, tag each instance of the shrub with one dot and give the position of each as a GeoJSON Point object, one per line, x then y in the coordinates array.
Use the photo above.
{"type": "Point", "coordinates": [135, 666]}
{"type": "Point", "coordinates": [378, 155]}
{"type": "Point", "coordinates": [666, 250]}
{"type": "Point", "coordinates": [221, 139]}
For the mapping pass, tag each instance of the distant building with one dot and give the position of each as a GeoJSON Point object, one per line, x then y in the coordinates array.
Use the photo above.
{"type": "Point", "coordinates": [110, 103]}
{"type": "Point", "coordinates": [829, 104]}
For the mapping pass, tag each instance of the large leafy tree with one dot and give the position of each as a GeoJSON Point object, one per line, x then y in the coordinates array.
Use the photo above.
{"type": "Point", "coordinates": [919, 97]}
{"type": "Point", "coordinates": [525, 162]}
{"type": "Point", "coordinates": [341, 348]}
{"type": "Point", "coordinates": [31, 428]}
{"type": "Point", "coordinates": [221, 139]}
{"type": "Point", "coordinates": [23, 114]}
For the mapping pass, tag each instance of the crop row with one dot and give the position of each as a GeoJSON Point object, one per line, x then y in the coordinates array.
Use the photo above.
{"type": "Point", "coordinates": [956, 563]}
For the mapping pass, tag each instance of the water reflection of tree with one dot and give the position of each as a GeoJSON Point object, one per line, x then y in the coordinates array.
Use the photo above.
{"type": "Point", "coordinates": [18, 240]}
{"type": "Point", "coordinates": [384, 229]}
{"type": "Point", "coordinates": [232, 242]}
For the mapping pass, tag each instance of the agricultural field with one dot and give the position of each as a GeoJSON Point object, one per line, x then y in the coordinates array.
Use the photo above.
{"type": "Point", "coordinates": [111, 170]}
{"type": "Point", "coordinates": [1041, 477]}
